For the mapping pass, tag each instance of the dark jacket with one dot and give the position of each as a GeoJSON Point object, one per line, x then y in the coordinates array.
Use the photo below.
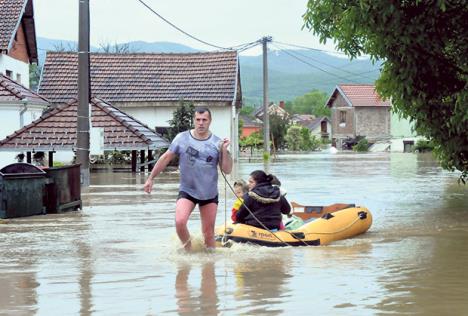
{"type": "Point", "coordinates": [266, 203]}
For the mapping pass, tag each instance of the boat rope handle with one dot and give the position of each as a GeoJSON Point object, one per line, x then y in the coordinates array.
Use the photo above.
{"type": "Point", "coordinates": [338, 231]}
{"type": "Point", "coordinates": [255, 217]}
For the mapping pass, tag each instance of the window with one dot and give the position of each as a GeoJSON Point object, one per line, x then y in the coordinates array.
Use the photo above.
{"type": "Point", "coordinates": [342, 116]}
{"type": "Point", "coordinates": [18, 78]}
{"type": "Point", "coordinates": [9, 74]}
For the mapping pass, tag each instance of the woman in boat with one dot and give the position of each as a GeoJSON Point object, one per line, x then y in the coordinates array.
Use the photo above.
{"type": "Point", "coordinates": [265, 201]}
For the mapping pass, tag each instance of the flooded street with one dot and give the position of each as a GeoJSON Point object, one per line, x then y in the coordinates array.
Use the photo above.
{"type": "Point", "coordinates": [119, 256]}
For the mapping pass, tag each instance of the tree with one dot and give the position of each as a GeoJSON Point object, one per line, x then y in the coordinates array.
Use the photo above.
{"type": "Point", "coordinates": [182, 119]}
{"type": "Point", "coordinates": [34, 76]}
{"type": "Point", "coordinates": [424, 46]}
{"type": "Point", "coordinates": [252, 141]}
{"type": "Point", "coordinates": [312, 102]}
{"type": "Point", "coordinates": [300, 138]}
{"type": "Point", "coordinates": [293, 137]}
{"type": "Point", "coordinates": [278, 128]}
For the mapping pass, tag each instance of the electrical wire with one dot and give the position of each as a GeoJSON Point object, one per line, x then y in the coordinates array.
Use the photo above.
{"type": "Point", "coordinates": [315, 67]}
{"type": "Point", "coordinates": [333, 66]}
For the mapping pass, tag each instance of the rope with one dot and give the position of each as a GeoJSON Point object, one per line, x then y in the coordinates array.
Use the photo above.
{"type": "Point", "coordinates": [255, 217]}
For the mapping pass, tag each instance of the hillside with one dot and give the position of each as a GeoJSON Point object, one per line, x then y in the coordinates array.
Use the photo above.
{"type": "Point", "coordinates": [292, 73]}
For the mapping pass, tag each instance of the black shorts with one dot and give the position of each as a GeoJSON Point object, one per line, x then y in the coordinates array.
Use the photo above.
{"type": "Point", "coordinates": [185, 195]}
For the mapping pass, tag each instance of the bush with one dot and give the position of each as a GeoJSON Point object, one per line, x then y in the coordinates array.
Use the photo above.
{"type": "Point", "coordinates": [361, 146]}
{"type": "Point", "coordinates": [423, 146]}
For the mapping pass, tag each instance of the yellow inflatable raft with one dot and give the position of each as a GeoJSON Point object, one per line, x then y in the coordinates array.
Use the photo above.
{"type": "Point", "coordinates": [337, 222]}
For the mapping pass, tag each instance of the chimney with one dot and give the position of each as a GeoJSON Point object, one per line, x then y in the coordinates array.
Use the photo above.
{"type": "Point", "coordinates": [281, 104]}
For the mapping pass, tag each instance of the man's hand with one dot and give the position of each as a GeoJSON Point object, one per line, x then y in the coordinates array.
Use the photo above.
{"type": "Point", "coordinates": [148, 185]}
{"type": "Point", "coordinates": [225, 144]}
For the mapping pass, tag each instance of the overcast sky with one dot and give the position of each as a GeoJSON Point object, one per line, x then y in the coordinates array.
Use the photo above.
{"type": "Point", "coordinates": [221, 22]}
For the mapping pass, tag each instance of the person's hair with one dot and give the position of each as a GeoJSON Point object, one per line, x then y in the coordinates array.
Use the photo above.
{"type": "Point", "coordinates": [242, 184]}
{"type": "Point", "coordinates": [260, 176]}
{"type": "Point", "coordinates": [202, 109]}
{"type": "Point", "coordinates": [275, 180]}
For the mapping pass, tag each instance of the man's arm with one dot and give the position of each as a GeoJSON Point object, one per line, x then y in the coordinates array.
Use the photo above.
{"type": "Point", "coordinates": [161, 164]}
{"type": "Point", "coordinates": [226, 159]}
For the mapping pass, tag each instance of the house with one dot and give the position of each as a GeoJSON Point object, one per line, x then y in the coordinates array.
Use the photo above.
{"type": "Point", "coordinates": [319, 127]}
{"type": "Point", "coordinates": [249, 125]}
{"type": "Point", "coordinates": [17, 39]}
{"type": "Point", "coordinates": [150, 86]}
{"type": "Point", "coordinates": [19, 106]}
{"type": "Point", "coordinates": [273, 109]}
{"type": "Point", "coordinates": [357, 110]}
{"type": "Point", "coordinates": [403, 136]}
{"type": "Point", "coordinates": [55, 132]}
{"type": "Point", "coordinates": [296, 118]}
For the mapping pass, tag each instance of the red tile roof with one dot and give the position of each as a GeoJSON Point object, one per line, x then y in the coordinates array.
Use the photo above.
{"type": "Point", "coordinates": [12, 91]}
{"type": "Point", "coordinates": [11, 14]}
{"type": "Point", "coordinates": [145, 77]}
{"type": "Point", "coordinates": [56, 130]}
{"type": "Point", "coordinates": [359, 95]}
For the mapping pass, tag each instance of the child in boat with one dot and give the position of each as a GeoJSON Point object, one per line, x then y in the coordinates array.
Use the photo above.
{"type": "Point", "coordinates": [240, 188]}
{"type": "Point", "coordinates": [265, 201]}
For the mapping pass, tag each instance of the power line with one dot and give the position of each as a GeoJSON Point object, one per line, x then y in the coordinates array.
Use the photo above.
{"type": "Point", "coordinates": [313, 66]}
{"type": "Point", "coordinates": [310, 48]}
{"type": "Point", "coordinates": [188, 34]}
{"type": "Point", "coordinates": [333, 66]}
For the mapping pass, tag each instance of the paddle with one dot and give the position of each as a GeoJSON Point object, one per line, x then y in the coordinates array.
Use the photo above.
{"type": "Point", "coordinates": [309, 211]}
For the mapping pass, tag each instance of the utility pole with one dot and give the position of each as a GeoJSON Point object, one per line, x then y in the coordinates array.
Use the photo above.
{"type": "Point", "coordinates": [82, 132]}
{"type": "Point", "coordinates": [266, 117]}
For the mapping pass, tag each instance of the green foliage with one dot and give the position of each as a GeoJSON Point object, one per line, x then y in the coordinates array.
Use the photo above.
{"type": "Point", "coordinates": [300, 138]}
{"type": "Point", "coordinates": [254, 140]}
{"type": "Point", "coordinates": [240, 127]}
{"type": "Point", "coordinates": [361, 146]}
{"type": "Point", "coordinates": [425, 73]}
{"type": "Point", "coordinates": [278, 129]}
{"type": "Point", "coordinates": [34, 76]}
{"type": "Point", "coordinates": [58, 164]}
{"type": "Point", "coordinates": [182, 119]}
{"type": "Point", "coordinates": [266, 156]}
{"type": "Point", "coordinates": [247, 109]}
{"type": "Point", "coordinates": [293, 137]}
{"type": "Point", "coordinates": [423, 146]}
{"type": "Point", "coordinates": [311, 103]}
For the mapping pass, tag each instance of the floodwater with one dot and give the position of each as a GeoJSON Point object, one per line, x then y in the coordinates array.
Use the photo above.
{"type": "Point", "coordinates": [119, 256]}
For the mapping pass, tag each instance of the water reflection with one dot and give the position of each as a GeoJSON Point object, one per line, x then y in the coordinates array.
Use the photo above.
{"type": "Point", "coordinates": [261, 284]}
{"type": "Point", "coordinates": [192, 302]}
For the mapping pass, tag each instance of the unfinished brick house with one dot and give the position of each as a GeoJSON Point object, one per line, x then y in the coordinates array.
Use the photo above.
{"type": "Point", "coordinates": [357, 110]}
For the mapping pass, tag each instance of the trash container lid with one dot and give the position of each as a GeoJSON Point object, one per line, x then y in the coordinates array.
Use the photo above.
{"type": "Point", "coordinates": [19, 168]}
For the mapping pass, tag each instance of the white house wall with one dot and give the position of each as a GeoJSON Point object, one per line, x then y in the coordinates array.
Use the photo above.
{"type": "Point", "coordinates": [17, 67]}
{"type": "Point", "coordinates": [160, 116]}
{"type": "Point", "coordinates": [10, 122]}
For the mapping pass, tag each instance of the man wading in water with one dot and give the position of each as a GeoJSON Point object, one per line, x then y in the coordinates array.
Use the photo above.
{"type": "Point", "coordinates": [199, 153]}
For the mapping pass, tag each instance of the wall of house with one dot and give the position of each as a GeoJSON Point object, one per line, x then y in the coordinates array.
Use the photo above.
{"type": "Point", "coordinates": [19, 49]}
{"type": "Point", "coordinates": [16, 67]}
{"type": "Point", "coordinates": [342, 130]}
{"type": "Point", "coordinates": [248, 130]}
{"type": "Point", "coordinates": [372, 122]}
{"type": "Point", "coordinates": [159, 116]}
{"type": "Point", "coordinates": [401, 127]}
{"type": "Point", "coordinates": [10, 122]}
{"type": "Point", "coordinates": [317, 132]}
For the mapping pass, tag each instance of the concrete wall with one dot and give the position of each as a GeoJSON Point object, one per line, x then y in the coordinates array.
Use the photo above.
{"type": "Point", "coordinates": [339, 129]}
{"type": "Point", "coordinates": [16, 67]}
{"type": "Point", "coordinates": [401, 127]}
{"type": "Point", "coordinates": [317, 132]}
{"type": "Point", "coordinates": [372, 122]}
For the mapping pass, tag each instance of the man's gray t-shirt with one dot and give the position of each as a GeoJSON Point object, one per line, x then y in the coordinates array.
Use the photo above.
{"type": "Point", "coordinates": [198, 161]}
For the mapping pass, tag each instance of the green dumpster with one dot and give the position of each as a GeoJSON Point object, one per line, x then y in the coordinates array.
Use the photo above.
{"type": "Point", "coordinates": [63, 189]}
{"type": "Point", "coordinates": [22, 188]}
